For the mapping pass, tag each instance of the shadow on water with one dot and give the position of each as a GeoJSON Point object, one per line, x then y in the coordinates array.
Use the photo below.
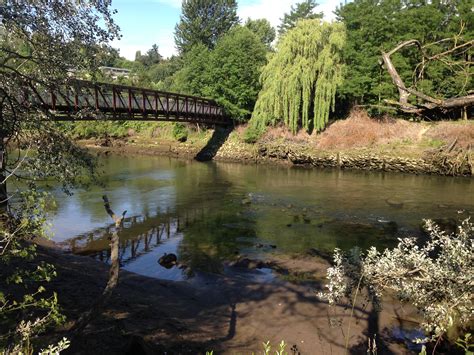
{"type": "Point", "coordinates": [217, 140]}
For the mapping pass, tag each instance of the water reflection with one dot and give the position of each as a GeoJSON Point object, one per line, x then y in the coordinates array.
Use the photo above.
{"type": "Point", "coordinates": [206, 213]}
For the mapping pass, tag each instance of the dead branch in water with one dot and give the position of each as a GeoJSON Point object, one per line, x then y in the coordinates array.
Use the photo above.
{"type": "Point", "coordinates": [96, 309]}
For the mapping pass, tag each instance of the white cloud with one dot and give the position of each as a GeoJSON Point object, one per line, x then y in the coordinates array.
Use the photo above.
{"type": "Point", "coordinates": [174, 3]}
{"type": "Point", "coordinates": [272, 10]}
{"type": "Point", "coordinates": [165, 42]}
{"type": "Point", "coordinates": [327, 8]}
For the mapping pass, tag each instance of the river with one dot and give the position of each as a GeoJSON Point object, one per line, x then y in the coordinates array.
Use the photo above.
{"type": "Point", "coordinates": [208, 213]}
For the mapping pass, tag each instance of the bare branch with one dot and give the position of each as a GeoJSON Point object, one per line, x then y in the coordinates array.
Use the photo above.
{"type": "Point", "coordinates": [88, 316]}
{"type": "Point", "coordinates": [431, 103]}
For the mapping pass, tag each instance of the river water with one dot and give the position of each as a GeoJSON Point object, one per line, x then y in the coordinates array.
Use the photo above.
{"type": "Point", "coordinates": [208, 213]}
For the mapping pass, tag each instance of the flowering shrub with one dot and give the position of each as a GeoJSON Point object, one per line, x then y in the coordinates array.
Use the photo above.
{"type": "Point", "coordinates": [436, 277]}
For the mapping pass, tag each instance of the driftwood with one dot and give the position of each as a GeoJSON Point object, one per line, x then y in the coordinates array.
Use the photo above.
{"type": "Point", "coordinates": [95, 310]}
{"type": "Point", "coordinates": [426, 102]}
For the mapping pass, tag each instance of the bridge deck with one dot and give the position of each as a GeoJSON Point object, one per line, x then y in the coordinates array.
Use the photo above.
{"type": "Point", "coordinates": [82, 100]}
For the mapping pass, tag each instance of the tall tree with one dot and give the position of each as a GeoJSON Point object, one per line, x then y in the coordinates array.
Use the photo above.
{"type": "Point", "coordinates": [300, 80]}
{"type": "Point", "coordinates": [302, 10]}
{"type": "Point", "coordinates": [229, 73]}
{"type": "Point", "coordinates": [263, 30]}
{"type": "Point", "coordinates": [236, 64]}
{"type": "Point", "coordinates": [138, 55]}
{"type": "Point", "coordinates": [193, 78]}
{"type": "Point", "coordinates": [151, 57]}
{"type": "Point", "coordinates": [204, 21]}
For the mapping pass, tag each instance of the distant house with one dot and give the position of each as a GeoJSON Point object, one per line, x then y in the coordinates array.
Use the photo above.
{"type": "Point", "coordinates": [115, 73]}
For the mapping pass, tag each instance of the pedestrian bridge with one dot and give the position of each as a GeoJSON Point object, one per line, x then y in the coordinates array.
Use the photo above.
{"type": "Point", "coordinates": [81, 100]}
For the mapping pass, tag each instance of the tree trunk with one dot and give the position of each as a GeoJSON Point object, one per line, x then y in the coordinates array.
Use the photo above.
{"type": "Point", "coordinates": [397, 80]}
{"type": "Point", "coordinates": [3, 175]}
{"type": "Point", "coordinates": [96, 309]}
{"type": "Point", "coordinates": [426, 102]}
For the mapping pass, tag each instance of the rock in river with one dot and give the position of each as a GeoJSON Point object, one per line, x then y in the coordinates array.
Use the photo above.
{"type": "Point", "coordinates": [394, 203]}
{"type": "Point", "coordinates": [168, 260]}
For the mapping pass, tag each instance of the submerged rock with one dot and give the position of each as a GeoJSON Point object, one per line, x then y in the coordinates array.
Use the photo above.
{"type": "Point", "coordinates": [390, 227]}
{"type": "Point", "coordinates": [260, 245]}
{"type": "Point", "coordinates": [246, 201]}
{"type": "Point", "coordinates": [168, 260]}
{"type": "Point", "coordinates": [248, 263]}
{"type": "Point", "coordinates": [320, 254]}
{"type": "Point", "coordinates": [394, 203]}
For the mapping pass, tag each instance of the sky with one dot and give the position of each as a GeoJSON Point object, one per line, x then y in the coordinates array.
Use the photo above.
{"type": "Point", "coordinates": [146, 22]}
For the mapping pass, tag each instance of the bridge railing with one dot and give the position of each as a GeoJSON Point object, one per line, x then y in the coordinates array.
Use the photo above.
{"type": "Point", "coordinates": [85, 100]}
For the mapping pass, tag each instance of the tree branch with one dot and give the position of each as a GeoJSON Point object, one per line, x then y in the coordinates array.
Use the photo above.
{"type": "Point", "coordinates": [404, 91]}
{"type": "Point", "coordinates": [96, 309]}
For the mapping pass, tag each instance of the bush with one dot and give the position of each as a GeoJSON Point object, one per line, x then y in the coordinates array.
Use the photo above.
{"type": "Point", "coordinates": [435, 277]}
{"type": "Point", "coordinates": [253, 133]}
{"type": "Point", "coordinates": [180, 132]}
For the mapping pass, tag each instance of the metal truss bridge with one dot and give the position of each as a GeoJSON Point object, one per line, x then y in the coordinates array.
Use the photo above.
{"type": "Point", "coordinates": [81, 100]}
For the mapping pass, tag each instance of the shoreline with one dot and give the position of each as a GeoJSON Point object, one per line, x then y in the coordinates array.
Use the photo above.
{"type": "Point", "coordinates": [291, 154]}
{"type": "Point", "coordinates": [227, 313]}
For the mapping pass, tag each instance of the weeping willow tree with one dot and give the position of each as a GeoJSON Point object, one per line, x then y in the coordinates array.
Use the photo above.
{"type": "Point", "coordinates": [299, 82]}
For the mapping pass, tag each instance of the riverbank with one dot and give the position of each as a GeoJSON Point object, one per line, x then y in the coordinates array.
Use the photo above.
{"type": "Point", "coordinates": [359, 142]}
{"type": "Point", "coordinates": [224, 313]}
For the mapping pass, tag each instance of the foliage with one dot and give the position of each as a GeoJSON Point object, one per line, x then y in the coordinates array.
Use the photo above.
{"type": "Point", "coordinates": [373, 26]}
{"type": "Point", "coordinates": [300, 80]}
{"type": "Point", "coordinates": [194, 77]}
{"type": "Point", "coordinates": [435, 277]}
{"type": "Point", "coordinates": [229, 73]}
{"type": "Point", "coordinates": [180, 132]}
{"type": "Point", "coordinates": [41, 41]}
{"type": "Point", "coordinates": [39, 45]}
{"type": "Point", "coordinates": [151, 57]}
{"type": "Point", "coordinates": [161, 75]}
{"type": "Point", "coordinates": [302, 10]}
{"type": "Point", "coordinates": [204, 22]}
{"type": "Point", "coordinates": [25, 307]}
{"type": "Point", "coordinates": [267, 348]}
{"type": "Point", "coordinates": [236, 64]}
{"type": "Point", "coordinates": [63, 344]}
{"type": "Point", "coordinates": [263, 30]}
{"type": "Point", "coordinates": [466, 344]}
{"type": "Point", "coordinates": [107, 56]}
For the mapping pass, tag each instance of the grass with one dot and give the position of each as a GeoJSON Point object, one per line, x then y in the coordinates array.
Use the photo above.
{"type": "Point", "coordinates": [358, 133]}
{"type": "Point", "coordinates": [447, 131]}
{"type": "Point", "coordinates": [359, 130]}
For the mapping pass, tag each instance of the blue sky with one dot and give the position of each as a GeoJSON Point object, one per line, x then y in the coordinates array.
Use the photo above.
{"type": "Point", "coordinates": [145, 22]}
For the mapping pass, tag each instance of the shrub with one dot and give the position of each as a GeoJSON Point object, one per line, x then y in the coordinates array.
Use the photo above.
{"type": "Point", "coordinates": [26, 307]}
{"type": "Point", "coordinates": [180, 132]}
{"type": "Point", "coordinates": [435, 277]}
{"type": "Point", "coordinates": [253, 133]}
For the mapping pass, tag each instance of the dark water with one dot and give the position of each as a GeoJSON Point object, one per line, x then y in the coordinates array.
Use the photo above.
{"type": "Point", "coordinates": [207, 213]}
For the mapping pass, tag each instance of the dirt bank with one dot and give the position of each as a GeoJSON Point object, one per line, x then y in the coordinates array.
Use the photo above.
{"type": "Point", "coordinates": [227, 314]}
{"type": "Point", "coordinates": [359, 142]}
